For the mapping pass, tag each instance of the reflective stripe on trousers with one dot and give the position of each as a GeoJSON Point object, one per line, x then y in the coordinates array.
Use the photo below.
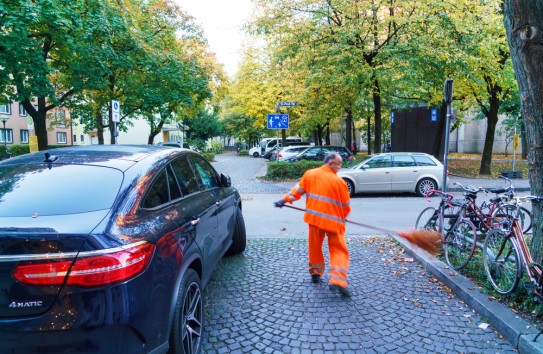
{"type": "Point", "coordinates": [339, 255]}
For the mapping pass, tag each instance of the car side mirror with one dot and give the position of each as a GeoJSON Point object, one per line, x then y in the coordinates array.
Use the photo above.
{"type": "Point", "coordinates": [364, 167]}
{"type": "Point", "coordinates": [225, 180]}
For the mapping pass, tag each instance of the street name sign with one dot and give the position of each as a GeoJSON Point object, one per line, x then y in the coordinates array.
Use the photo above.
{"type": "Point", "coordinates": [287, 104]}
{"type": "Point", "coordinates": [277, 121]}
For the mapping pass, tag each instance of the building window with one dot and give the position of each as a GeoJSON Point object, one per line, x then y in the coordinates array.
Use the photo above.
{"type": "Point", "coordinates": [5, 108]}
{"type": "Point", "coordinates": [22, 110]}
{"type": "Point", "coordinates": [24, 136]}
{"type": "Point", "coordinates": [82, 138]}
{"type": "Point", "coordinates": [6, 136]}
{"type": "Point", "coordinates": [61, 138]}
{"type": "Point", "coordinates": [75, 138]}
{"type": "Point", "coordinates": [60, 117]}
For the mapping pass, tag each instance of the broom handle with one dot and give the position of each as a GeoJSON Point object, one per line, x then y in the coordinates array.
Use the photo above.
{"type": "Point", "coordinates": [352, 222]}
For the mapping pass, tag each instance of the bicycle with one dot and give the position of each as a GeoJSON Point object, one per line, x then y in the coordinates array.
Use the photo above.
{"type": "Point", "coordinates": [459, 233]}
{"type": "Point", "coordinates": [499, 207]}
{"type": "Point", "coordinates": [506, 255]}
{"type": "Point", "coordinates": [432, 218]}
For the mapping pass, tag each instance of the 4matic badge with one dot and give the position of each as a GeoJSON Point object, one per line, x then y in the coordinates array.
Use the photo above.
{"type": "Point", "coordinates": [25, 304]}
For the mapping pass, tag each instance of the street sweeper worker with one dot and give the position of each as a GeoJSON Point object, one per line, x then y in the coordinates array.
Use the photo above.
{"type": "Point", "coordinates": [327, 207]}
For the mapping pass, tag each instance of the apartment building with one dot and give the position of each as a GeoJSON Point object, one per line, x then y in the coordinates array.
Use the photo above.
{"type": "Point", "coordinates": [17, 126]}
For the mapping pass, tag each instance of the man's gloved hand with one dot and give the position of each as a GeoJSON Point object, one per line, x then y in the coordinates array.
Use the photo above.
{"type": "Point", "coordinates": [280, 203]}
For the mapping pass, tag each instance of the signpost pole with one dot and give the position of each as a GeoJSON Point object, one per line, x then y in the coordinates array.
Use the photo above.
{"type": "Point", "coordinates": [115, 112]}
{"type": "Point", "coordinates": [278, 111]}
{"type": "Point", "coordinates": [448, 93]}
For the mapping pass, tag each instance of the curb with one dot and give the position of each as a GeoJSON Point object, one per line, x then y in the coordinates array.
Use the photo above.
{"type": "Point", "coordinates": [515, 329]}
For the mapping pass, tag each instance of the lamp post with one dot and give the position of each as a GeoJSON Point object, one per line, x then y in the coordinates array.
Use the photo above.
{"type": "Point", "coordinates": [4, 120]}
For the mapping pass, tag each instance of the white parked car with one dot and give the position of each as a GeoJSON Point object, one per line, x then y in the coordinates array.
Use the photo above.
{"type": "Point", "coordinates": [255, 151]}
{"type": "Point", "coordinates": [289, 151]}
{"type": "Point", "coordinates": [413, 172]}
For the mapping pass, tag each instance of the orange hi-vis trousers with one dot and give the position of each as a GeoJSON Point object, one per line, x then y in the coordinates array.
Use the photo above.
{"type": "Point", "coordinates": [339, 255]}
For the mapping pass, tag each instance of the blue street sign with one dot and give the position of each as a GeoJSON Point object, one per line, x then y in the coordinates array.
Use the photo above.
{"type": "Point", "coordinates": [277, 121]}
{"type": "Point", "coordinates": [392, 117]}
{"type": "Point", "coordinates": [287, 104]}
{"type": "Point", "coordinates": [433, 115]}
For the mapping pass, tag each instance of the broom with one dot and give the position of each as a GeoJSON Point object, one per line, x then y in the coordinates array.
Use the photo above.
{"type": "Point", "coordinates": [428, 240]}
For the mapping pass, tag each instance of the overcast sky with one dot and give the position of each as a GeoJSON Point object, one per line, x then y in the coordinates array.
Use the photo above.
{"type": "Point", "coordinates": [221, 21]}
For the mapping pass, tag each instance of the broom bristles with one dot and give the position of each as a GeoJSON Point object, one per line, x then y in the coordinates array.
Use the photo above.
{"type": "Point", "coordinates": [428, 240]}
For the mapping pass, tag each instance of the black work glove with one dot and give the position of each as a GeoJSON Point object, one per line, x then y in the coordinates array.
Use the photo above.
{"type": "Point", "coordinates": [280, 203]}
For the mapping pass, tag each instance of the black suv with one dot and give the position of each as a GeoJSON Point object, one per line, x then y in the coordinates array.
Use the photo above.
{"type": "Point", "coordinates": [317, 153]}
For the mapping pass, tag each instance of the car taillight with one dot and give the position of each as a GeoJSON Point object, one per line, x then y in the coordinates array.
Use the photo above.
{"type": "Point", "coordinates": [95, 269]}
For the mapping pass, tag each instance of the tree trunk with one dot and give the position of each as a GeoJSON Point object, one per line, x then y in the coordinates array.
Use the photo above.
{"type": "Point", "coordinates": [327, 134]}
{"type": "Point", "coordinates": [368, 134]}
{"type": "Point", "coordinates": [523, 141]}
{"type": "Point", "coordinates": [486, 160]}
{"type": "Point", "coordinates": [99, 127]}
{"type": "Point", "coordinates": [348, 124]}
{"type": "Point", "coordinates": [39, 117]}
{"type": "Point", "coordinates": [377, 144]}
{"type": "Point", "coordinates": [524, 27]}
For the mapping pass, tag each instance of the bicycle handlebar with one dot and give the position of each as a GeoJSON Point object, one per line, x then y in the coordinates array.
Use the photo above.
{"type": "Point", "coordinates": [531, 198]}
{"type": "Point", "coordinates": [470, 188]}
{"type": "Point", "coordinates": [444, 196]}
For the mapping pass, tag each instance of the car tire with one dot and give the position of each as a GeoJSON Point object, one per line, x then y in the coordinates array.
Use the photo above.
{"type": "Point", "coordinates": [239, 236]}
{"type": "Point", "coordinates": [256, 154]}
{"type": "Point", "coordinates": [187, 328]}
{"type": "Point", "coordinates": [425, 185]}
{"type": "Point", "coordinates": [350, 186]}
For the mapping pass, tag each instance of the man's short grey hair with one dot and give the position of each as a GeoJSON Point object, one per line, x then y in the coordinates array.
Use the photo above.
{"type": "Point", "coordinates": [331, 156]}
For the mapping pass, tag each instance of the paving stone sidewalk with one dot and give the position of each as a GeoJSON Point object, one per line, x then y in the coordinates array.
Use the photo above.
{"type": "Point", "coordinates": [263, 302]}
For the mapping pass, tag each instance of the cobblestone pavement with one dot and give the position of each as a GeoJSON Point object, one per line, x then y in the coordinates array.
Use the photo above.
{"type": "Point", "coordinates": [263, 302]}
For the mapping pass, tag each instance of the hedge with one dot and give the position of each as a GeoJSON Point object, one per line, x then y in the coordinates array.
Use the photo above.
{"type": "Point", "coordinates": [289, 170]}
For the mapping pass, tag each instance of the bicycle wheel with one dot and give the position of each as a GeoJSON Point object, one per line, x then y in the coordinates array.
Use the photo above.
{"type": "Point", "coordinates": [460, 244]}
{"type": "Point", "coordinates": [508, 212]}
{"type": "Point", "coordinates": [503, 269]}
{"type": "Point", "coordinates": [428, 219]}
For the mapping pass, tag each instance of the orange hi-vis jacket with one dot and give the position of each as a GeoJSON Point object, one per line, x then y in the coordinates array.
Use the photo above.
{"type": "Point", "coordinates": [327, 199]}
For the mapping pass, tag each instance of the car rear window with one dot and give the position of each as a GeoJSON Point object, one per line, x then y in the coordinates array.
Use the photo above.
{"type": "Point", "coordinates": [62, 189]}
{"type": "Point", "coordinates": [424, 160]}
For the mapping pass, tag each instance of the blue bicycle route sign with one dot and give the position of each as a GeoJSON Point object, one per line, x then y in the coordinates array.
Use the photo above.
{"type": "Point", "coordinates": [277, 121]}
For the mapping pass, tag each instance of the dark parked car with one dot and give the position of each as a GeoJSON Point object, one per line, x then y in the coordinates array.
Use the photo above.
{"type": "Point", "coordinates": [317, 153]}
{"type": "Point", "coordinates": [106, 249]}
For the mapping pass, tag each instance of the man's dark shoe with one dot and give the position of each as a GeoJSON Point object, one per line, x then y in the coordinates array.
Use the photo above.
{"type": "Point", "coordinates": [315, 278]}
{"type": "Point", "coordinates": [338, 289]}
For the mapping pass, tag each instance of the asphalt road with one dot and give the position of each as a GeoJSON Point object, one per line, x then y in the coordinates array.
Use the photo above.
{"type": "Point", "coordinates": [393, 211]}
{"type": "Point", "coordinates": [263, 302]}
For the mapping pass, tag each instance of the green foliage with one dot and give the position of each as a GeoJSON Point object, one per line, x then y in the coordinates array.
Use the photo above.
{"type": "Point", "coordinates": [209, 156]}
{"type": "Point", "coordinates": [4, 152]}
{"type": "Point", "coordinates": [17, 150]}
{"type": "Point", "coordinates": [203, 127]}
{"type": "Point", "coordinates": [289, 170]}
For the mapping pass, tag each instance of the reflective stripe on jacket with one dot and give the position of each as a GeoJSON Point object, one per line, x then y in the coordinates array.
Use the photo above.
{"type": "Point", "coordinates": [327, 199]}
